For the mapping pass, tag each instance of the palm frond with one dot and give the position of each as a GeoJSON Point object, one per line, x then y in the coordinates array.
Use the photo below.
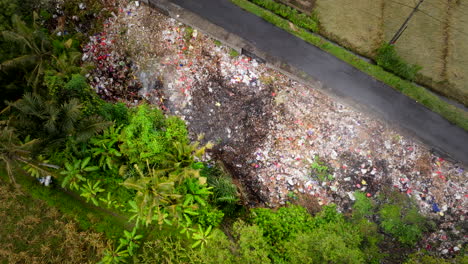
{"type": "Point", "coordinates": [90, 126]}
{"type": "Point", "coordinates": [70, 114]}
{"type": "Point", "coordinates": [22, 62]}
{"type": "Point", "coordinates": [13, 37]}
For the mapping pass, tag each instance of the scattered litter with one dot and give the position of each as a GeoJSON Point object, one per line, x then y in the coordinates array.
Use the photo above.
{"type": "Point", "coordinates": [270, 128]}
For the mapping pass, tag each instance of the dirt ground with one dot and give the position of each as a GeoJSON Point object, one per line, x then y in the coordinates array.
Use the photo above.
{"type": "Point", "coordinates": [269, 129]}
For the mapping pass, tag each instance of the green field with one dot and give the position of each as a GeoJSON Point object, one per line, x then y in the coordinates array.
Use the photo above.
{"type": "Point", "coordinates": [436, 37]}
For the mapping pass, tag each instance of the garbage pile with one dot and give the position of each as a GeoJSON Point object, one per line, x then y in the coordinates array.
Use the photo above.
{"type": "Point", "coordinates": [270, 130]}
{"type": "Point", "coordinates": [113, 76]}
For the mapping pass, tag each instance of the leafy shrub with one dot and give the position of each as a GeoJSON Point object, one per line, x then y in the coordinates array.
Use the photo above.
{"type": "Point", "coordinates": [116, 112]}
{"type": "Point", "coordinates": [388, 59]}
{"type": "Point", "coordinates": [169, 250]}
{"type": "Point", "coordinates": [396, 223]}
{"type": "Point", "coordinates": [209, 216]}
{"type": "Point", "coordinates": [371, 238]}
{"type": "Point", "coordinates": [54, 82]}
{"type": "Point", "coordinates": [252, 246]}
{"type": "Point", "coordinates": [76, 86]}
{"type": "Point", "coordinates": [399, 217]}
{"type": "Point", "coordinates": [327, 215]}
{"type": "Point", "coordinates": [283, 223]}
{"type": "Point", "coordinates": [321, 170]}
{"type": "Point", "coordinates": [300, 19]}
{"type": "Point", "coordinates": [219, 250]}
{"type": "Point", "coordinates": [363, 206]}
{"type": "Point", "coordinates": [324, 245]}
{"type": "Point", "coordinates": [176, 130]}
{"type": "Point", "coordinates": [144, 139]}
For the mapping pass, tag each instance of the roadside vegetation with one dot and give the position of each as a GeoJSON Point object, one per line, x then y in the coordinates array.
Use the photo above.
{"type": "Point", "coordinates": [129, 186]}
{"type": "Point", "coordinates": [388, 69]}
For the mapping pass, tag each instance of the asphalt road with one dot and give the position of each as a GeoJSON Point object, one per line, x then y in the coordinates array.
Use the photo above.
{"type": "Point", "coordinates": [338, 77]}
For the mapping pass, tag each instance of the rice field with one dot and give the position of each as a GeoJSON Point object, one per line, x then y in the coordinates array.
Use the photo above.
{"type": "Point", "coordinates": [457, 59]}
{"type": "Point", "coordinates": [436, 37]}
{"type": "Point", "coordinates": [356, 24]}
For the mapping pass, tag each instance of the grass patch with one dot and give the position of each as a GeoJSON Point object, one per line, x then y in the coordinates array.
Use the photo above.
{"type": "Point", "coordinates": [388, 59]}
{"type": "Point", "coordinates": [34, 232]}
{"type": "Point", "coordinates": [188, 34]}
{"type": "Point", "coordinates": [217, 43]}
{"type": "Point", "coordinates": [233, 53]}
{"type": "Point", "coordinates": [300, 19]}
{"type": "Point", "coordinates": [87, 217]}
{"type": "Point", "coordinates": [420, 94]}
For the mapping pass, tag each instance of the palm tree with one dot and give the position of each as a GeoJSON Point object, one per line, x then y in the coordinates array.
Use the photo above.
{"type": "Point", "coordinates": [35, 47]}
{"type": "Point", "coordinates": [13, 151]}
{"type": "Point", "coordinates": [52, 122]}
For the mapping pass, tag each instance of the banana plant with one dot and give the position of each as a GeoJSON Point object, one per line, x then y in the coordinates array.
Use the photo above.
{"type": "Point", "coordinates": [180, 159]}
{"type": "Point", "coordinates": [186, 228]}
{"type": "Point", "coordinates": [130, 240]}
{"type": "Point", "coordinates": [90, 190]}
{"type": "Point", "coordinates": [201, 237]}
{"type": "Point", "coordinates": [74, 172]}
{"type": "Point", "coordinates": [153, 194]}
{"type": "Point", "coordinates": [106, 148]}
{"type": "Point", "coordinates": [196, 192]}
{"type": "Point", "coordinates": [110, 202]}
{"type": "Point", "coordinates": [114, 255]}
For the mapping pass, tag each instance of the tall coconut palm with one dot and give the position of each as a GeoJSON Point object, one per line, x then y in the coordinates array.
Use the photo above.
{"type": "Point", "coordinates": [53, 122]}
{"type": "Point", "coordinates": [35, 47]}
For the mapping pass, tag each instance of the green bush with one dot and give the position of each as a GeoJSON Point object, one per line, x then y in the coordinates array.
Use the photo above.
{"type": "Point", "coordinates": [282, 224]}
{"type": "Point", "coordinates": [209, 216]}
{"type": "Point", "coordinates": [388, 59]}
{"type": "Point", "coordinates": [176, 130]}
{"type": "Point", "coordinates": [299, 19]}
{"type": "Point", "coordinates": [401, 224]}
{"type": "Point", "coordinates": [168, 250]}
{"type": "Point", "coordinates": [321, 170]}
{"type": "Point", "coordinates": [143, 139]}
{"type": "Point", "coordinates": [219, 250]}
{"type": "Point", "coordinates": [251, 245]}
{"type": "Point", "coordinates": [324, 245]}
{"type": "Point", "coordinates": [363, 206]}
{"type": "Point", "coordinates": [116, 112]}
